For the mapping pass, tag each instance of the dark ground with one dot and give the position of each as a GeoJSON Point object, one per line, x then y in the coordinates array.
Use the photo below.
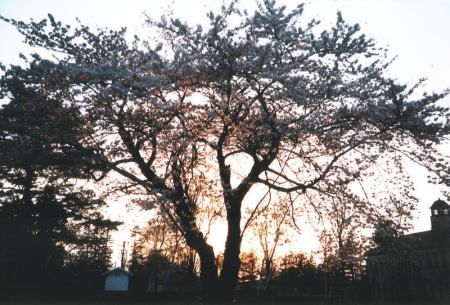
{"type": "Point", "coordinates": [112, 301]}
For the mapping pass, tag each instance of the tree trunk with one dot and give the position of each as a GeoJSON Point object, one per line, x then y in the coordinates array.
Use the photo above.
{"type": "Point", "coordinates": [268, 266]}
{"type": "Point", "coordinates": [208, 267]}
{"type": "Point", "coordinates": [27, 198]}
{"type": "Point", "coordinates": [196, 240]}
{"type": "Point", "coordinates": [208, 274]}
{"type": "Point", "coordinates": [231, 260]}
{"type": "Point", "coordinates": [27, 187]}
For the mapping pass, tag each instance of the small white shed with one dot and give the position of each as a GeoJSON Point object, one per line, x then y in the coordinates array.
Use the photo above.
{"type": "Point", "coordinates": [117, 279]}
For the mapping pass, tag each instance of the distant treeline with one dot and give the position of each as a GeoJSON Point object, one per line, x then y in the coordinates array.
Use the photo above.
{"type": "Point", "coordinates": [162, 264]}
{"type": "Point", "coordinates": [296, 276]}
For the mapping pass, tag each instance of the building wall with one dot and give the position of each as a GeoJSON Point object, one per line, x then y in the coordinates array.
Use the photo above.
{"type": "Point", "coordinates": [423, 274]}
{"type": "Point", "coordinates": [116, 282]}
{"type": "Point", "coordinates": [440, 223]}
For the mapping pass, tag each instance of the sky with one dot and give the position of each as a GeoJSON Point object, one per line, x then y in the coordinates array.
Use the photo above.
{"type": "Point", "coordinates": [416, 31]}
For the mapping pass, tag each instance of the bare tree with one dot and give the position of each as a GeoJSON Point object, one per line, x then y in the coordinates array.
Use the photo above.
{"type": "Point", "coordinates": [269, 228]}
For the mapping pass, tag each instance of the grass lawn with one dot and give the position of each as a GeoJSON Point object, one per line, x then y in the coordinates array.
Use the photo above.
{"type": "Point", "coordinates": [190, 302]}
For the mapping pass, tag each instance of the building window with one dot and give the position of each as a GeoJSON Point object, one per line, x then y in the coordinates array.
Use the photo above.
{"type": "Point", "coordinates": [445, 212]}
{"type": "Point", "coordinates": [435, 212]}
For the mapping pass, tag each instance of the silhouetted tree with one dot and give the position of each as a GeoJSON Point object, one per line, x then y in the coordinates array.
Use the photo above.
{"type": "Point", "coordinates": [159, 242]}
{"type": "Point", "coordinates": [89, 254]}
{"type": "Point", "coordinates": [298, 274]}
{"type": "Point", "coordinates": [387, 233]}
{"type": "Point", "coordinates": [43, 213]}
{"type": "Point", "coordinates": [342, 243]}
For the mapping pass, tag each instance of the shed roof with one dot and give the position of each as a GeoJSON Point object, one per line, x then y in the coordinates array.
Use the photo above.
{"type": "Point", "coordinates": [118, 270]}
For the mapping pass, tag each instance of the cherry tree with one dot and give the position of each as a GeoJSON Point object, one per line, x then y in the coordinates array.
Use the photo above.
{"type": "Point", "coordinates": [309, 111]}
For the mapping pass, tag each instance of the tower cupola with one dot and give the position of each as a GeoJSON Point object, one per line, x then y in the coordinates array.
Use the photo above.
{"type": "Point", "coordinates": [440, 215]}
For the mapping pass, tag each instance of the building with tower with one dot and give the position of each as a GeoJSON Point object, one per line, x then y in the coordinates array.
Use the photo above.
{"type": "Point", "coordinates": [415, 266]}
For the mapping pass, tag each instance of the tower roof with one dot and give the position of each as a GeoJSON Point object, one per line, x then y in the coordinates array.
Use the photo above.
{"type": "Point", "coordinates": [440, 204]}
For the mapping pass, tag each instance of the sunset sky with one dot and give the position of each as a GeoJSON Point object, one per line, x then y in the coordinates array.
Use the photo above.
{"type": "Point", "coordinates": [416, 31]}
